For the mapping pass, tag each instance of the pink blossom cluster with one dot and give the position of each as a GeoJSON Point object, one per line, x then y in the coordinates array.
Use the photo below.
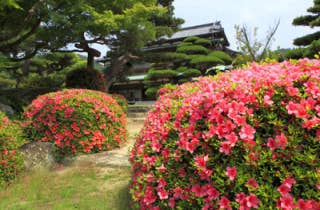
{"type": "Point", "coordinates": [229, 141]}
{"type": "Point", "coordinates": [77, 120]}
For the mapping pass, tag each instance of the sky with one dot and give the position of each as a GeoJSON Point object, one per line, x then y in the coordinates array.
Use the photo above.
{"type": "Point", "coordinates": [253, 13]}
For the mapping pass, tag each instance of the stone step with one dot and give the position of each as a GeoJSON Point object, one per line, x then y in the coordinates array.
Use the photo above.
{"type": "Point", "coordinates": [136, 120]}
{"type": "Point", "coordinates": [134, 109]}
{"type": "Point", "coordinates": [137, 114]}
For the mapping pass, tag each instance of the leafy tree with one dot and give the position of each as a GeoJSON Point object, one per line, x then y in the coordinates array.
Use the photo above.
{"type": "Point", "coordinates": [32, 26]}
{"type": "Point", "coordinates": [251, 48]}
{"type": "Point", "coordinates": [193, 57]}
{"type": "Point", "coordinates": [127, 46]}
{"type": "Point", "coordinates": [312, 20]}
{"type": "Point", "coordinates": [43, 70]}
{"type": "Point", "coordinates": [53, 24]}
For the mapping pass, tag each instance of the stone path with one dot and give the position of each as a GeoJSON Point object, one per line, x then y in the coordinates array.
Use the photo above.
{"type": "Point", "coordinates": [115, 158]}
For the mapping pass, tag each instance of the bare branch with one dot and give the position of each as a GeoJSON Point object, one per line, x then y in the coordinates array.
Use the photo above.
{"type": "Point", "coordinates": [67, 51]}
{"type": "Point", "coordinates": [270, 35]}
{"type": "Point", "coordinates": [244, 32]}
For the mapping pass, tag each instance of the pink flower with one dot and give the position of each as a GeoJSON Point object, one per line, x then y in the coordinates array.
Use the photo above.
{"type": "Point", "coordinates": [285, 202]}
{"type": "Point", "coordinates": [232, 139]}
{"type": "Point", "coordinates": [162, 168]}
{"type": "Point", "coordinates": [284, 189]}
{"type": "Point", "coordinates": [224, 203]}
{"type": "Point", "coordinates": [192, 145]}
{"type": "Point", "coordinates": [271, 144]}
{"type": "Point", "coordinates": [75, 127]}
{"type": "Point", "coordinates": [200, 161]}
{"type": "Point", "coordinates": [212, 193]}
{"type": "Point", "coordinates": [240, 197]}
{"type": "Point", "coordinates": [251, 182]}
{"type": "Point", "coordinates": [161, 183]}
{"type": "Point", "coordinates": [155, 146]}
{"type": "Point", "coordinates": [171, 203]}
{"type": "Point", "coordinates": [289, 181]}
{"type": "Point", "coordinates": [196, 189]}
{"type": "Point", "coordinates": [225, 147]}
{"type": "Point", "coordinates": [177, 193]}
{"type": "Point", "coordinates": [281, 141]}
{"type": "Point", "coordinates": [292, 91]}
{"type": "Point", "coordinates": [163, 194]}
{"type": "Point", "coordinates": [304, 205]}
{"type": "Point", "coordinates": [231, 173]}
{"type": "Point", "coordinates": [267, 100]}
{"type": "Point", "coordinates": [252, 201]}
{"type": "Point", "coordinates": [149, 196]}
{"type": "Point", "coordinates": [247, 132]}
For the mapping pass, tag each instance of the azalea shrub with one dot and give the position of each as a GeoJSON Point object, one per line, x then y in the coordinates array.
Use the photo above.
{"type": "Point", "coordinates": [11, 160]}
{"type": "Point", "coordinates": [245, 139]}
{"type": "Point", "coordinates": [121, 100]}
{"type": "Point", "coordinates": [76, 121]}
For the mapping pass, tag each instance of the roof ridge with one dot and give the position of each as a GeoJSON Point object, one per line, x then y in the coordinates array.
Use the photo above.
{"type": "Point", "coordinates": [198, 26]}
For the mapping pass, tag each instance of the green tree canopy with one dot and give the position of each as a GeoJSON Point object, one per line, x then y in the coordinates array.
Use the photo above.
{"type": "Point", "coordinates": [28, 26]}
{"type": "Point", "coordinates": [312, 20]}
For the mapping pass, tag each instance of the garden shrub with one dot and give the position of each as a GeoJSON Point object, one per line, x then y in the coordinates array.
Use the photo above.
{"type": "Point", "coordinates": [191, 39]}
{"type": "Point", "coordinates": [76, 121]}
{"type": "Point", "coordinates": [121, 100]}
{"type": "Point", "coordinates": [11, 161]}
{"type": "Point", "coordinates": [203, 42]}
{"type": "Point", "coordinates": [193, 49]}
{"type": "Point", "coordinates": [223, 56]}
{"type": "Point", "coordinates": [245, 139]}
{"type": "Point", "coordinates": [161, 73]}
{"type": "Point", "coordinates": [86, 79]}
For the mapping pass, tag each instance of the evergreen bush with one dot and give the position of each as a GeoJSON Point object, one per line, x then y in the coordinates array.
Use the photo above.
{"type": "Point", "coordinates": [193, 49]}
{"type": "Point", "coordinates": [203, 42]}
{"type": "Point", "coordinates": [245, 139]}
{"type": "Point", "coordinates": [76, 121]}
{"type": "Point", "coordinates": [191, 39]}
{"type": "Point", "coordinates": [86, 79]}
{"type": "Point", "coordinates": [222, 56]}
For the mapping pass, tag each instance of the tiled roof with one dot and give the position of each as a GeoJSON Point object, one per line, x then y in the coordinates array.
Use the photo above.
{"type": "Point", "coordinates": [195, 31]}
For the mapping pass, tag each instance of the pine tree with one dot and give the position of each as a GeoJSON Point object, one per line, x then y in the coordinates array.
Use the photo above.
{"type": "Point", "coordinates": [193, 57]}
{"type": "Point", "coordinates": [312, 20]}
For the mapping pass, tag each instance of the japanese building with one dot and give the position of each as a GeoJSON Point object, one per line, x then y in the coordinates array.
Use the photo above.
{"type": "Point", "coordinates": [133, 87]}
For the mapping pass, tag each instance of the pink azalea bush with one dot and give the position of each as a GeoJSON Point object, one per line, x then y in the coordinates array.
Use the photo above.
{"type": "Point", "coordinates": [121, 100]}
{"type": "Point", "coordinates": [246, 139]}
{"type": "Point", "coordinates": [11, 161]}
{"type": "Point", "coordinates": [76, 121]}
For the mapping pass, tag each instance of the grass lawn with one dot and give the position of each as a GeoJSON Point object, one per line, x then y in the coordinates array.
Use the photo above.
{"type": "Point", "coordinates": [88, 188]}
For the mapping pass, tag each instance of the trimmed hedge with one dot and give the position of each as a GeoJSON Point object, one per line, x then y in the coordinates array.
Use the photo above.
{"type": "Point", "coordinates": [11, 160]}
{"type": "Point", "coordinates": [222, 55]}
{"type": "Point", "coordinates": [203, 42]}
{"type": "Point", "coordinates": [246, 139]}
{"type": "Point", "coordinates": [76, 121]}
{"type": "Point", "coordinates": [191, 39]}
{"type": "Point", "coordinates": [154, 74]}
{"type": "Point", "coordinates": [192, 49]}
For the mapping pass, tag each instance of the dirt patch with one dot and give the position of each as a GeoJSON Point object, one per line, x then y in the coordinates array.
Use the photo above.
{"type": "Point", "coordinates": [105, 161]}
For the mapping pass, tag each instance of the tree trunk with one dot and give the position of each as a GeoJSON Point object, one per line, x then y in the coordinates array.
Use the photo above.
{"type": "Point", "coordinates": [91, 53]}
{"type": "Point", "coordinates": [117, 68]}
{"type": "Point", "coordinates": [90, 61]}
